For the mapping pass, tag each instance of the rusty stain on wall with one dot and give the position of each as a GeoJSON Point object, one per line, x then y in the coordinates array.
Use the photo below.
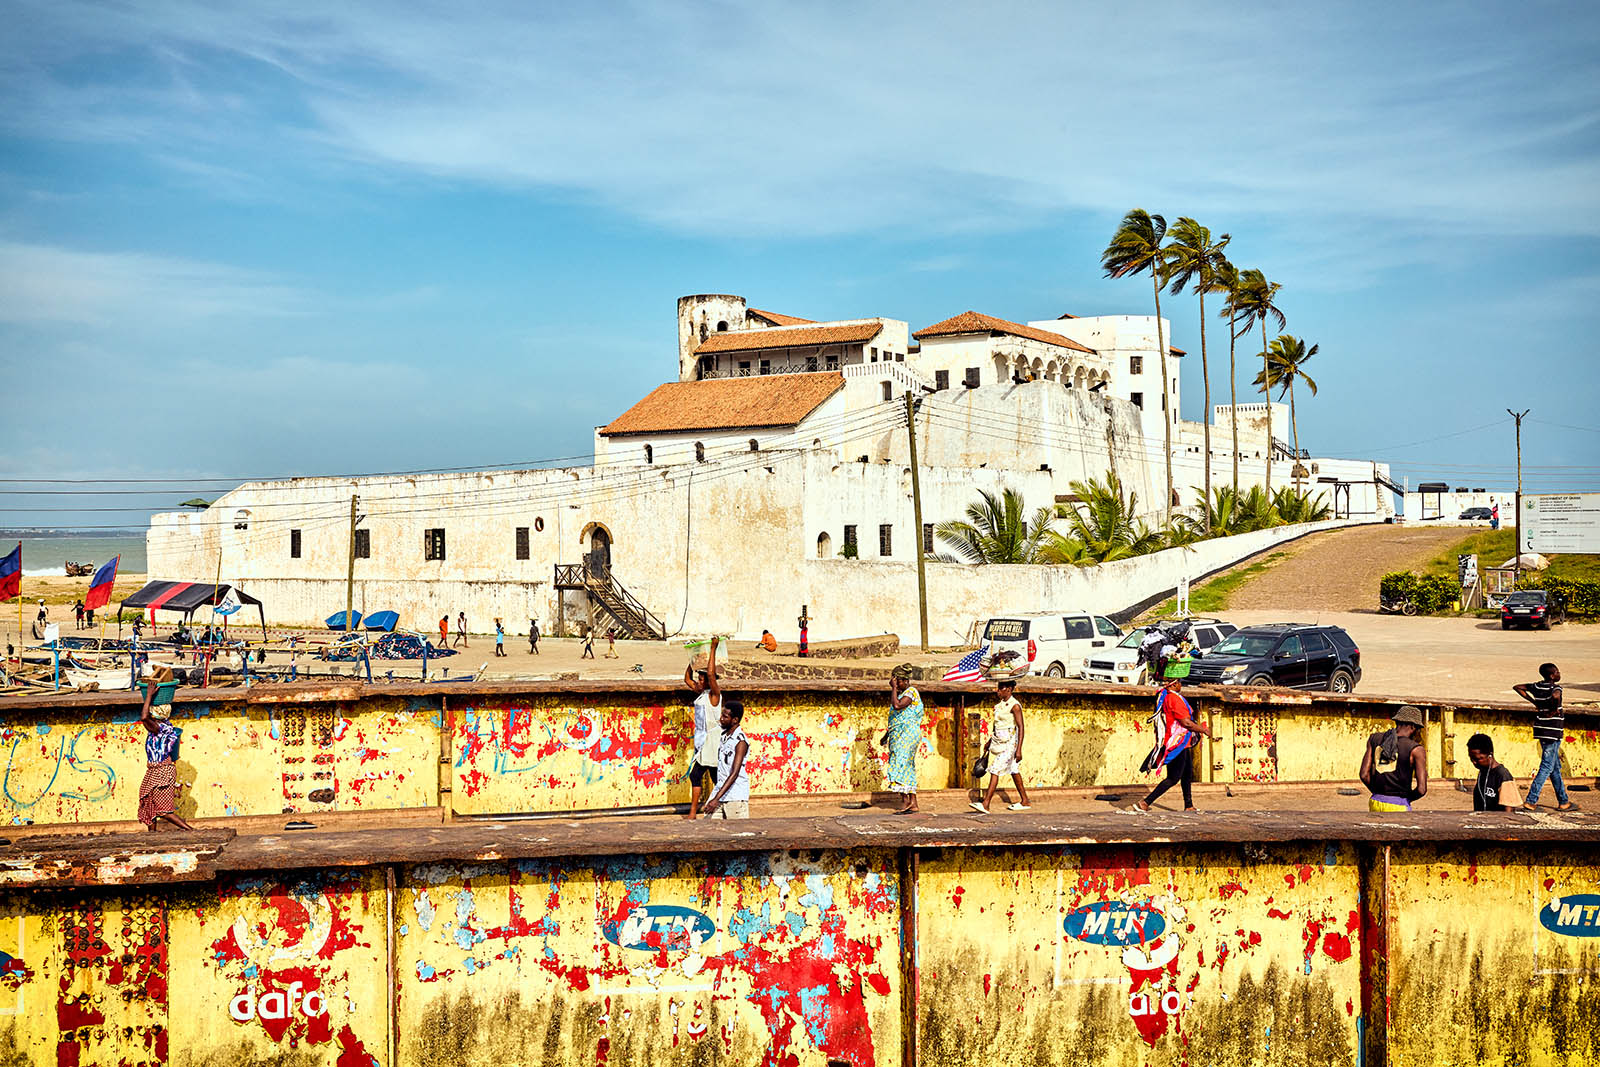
{"type": "Point", "coordinates": [1164, 955]}
{"type": "Point", "coordinates": [770, 958]}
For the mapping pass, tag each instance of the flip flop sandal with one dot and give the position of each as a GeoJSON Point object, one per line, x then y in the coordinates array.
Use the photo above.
{"type": "Point", "coordinates": [979, 808]}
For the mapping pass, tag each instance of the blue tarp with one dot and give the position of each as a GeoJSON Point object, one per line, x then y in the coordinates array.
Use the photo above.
{"type": "Point", "coordinates": [336, 620]}
{"type": "Point", "coordinates": [382, 620]}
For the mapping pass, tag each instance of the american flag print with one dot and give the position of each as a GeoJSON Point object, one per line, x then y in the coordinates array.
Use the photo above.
{"type": "Point", "coordinates": [967, 668]}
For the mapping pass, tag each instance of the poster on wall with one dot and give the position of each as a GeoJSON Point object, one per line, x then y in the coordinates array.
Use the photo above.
{"type": "Point", "coordinates": [1560, 522]}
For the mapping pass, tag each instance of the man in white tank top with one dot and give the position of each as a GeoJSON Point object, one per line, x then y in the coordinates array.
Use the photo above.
{"type": "Point", "coordinates": [702, 681]}
{"type": "Point", "coordinates": [732, 800]}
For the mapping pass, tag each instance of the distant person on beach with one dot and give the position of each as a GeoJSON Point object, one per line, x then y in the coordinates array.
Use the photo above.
{"type": "Point", "coordinates": [533, 636]}
{"type": "Point", "coordinates": [1004, 750]}
{"type": "Point", "coordinates": [158, 792]}
{"type": "Point", "coordinates": [1496, 790]}
{"type": "Point", "coordinates": [1394, 766]}
{"type": "Point", "coordinates": [77, 613]}
{"type": "Point", "coordinates": [1178, 731]}
{"type": "Point", "coordinates": [904, 737]}
{"type": "Point", "coordinates": [700, 677]}
{"type": "Point", "coordinates": [768, 642]}
{"type": "Point", "coordinates": [1549, 729]}
{"type": "Point", "coordinates": [588, 646]}
{"type": "Point", "coordinates": [732, 800]}
{"type": "Point", "coordinates": [444, 630]}
{"type": "Point", "coordinates": [461, 629]}
{"type": "Point", "coordinates": [499, 638]}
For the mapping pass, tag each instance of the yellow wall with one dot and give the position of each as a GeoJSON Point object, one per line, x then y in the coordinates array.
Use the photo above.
{"type": "Point", "coordinates": [1257, 956]}
{"type": "Point", "coordinates": [1265, 954]}
{"type": "Point", "coordinates": [548, 749]}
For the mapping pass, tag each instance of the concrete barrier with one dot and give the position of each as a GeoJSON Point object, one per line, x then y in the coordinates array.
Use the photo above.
{"type": "Point", "coordinates": [550, 747]}
{"type": "Point", "coordinates": [1263, 939]}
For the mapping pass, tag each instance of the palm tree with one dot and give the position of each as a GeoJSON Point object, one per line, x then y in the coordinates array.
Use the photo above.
{"type": "Point", "coordinates": [1101, 526]}
{"type": "Point", "coordinates": [1134, 248]}
{"type": "Point", "coordinates": [1193, 257]}
{"type": "Point", "coordinates": [996, 531]}
{"type": "Point", "coordinates": [1257, 301]}
{"type": "Point", "coordinates": [1294, 505]}
{"type": "Point", "coordinates": [1285, 364]}
{"type": "Point", "coordinates": [1229, 512]}
{"type": "Point", "coordinates": [1227, 283]}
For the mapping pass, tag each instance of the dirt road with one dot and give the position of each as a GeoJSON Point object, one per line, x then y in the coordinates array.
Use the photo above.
{"type": "Point", "coordinates": [1339, 570]}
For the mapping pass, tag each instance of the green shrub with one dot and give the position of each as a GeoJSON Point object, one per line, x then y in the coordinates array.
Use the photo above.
{"type": "Point", "coordinates": [1431, 593]}
{"type": "Point", "coordinates": [1573, 596]}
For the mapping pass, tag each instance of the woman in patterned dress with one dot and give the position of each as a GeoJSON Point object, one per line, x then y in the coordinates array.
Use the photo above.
{"type": "Point", "coordinates": [904, 736]}
{"type": "Point", "coordinates": [158, 793]}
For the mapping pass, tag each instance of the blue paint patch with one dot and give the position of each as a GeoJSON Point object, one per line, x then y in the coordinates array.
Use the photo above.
{"type": "Point", "coordinates": [1574, 916]}
{"type": "Point", "coordinates": [42, 728]}
{"type": "Point", "coordinates": [405, 928]}
{"type": "Point", "coordinates": [826, 947]}
{"type": "Point", "coordinates": [1330, 858]}
{"type": "Point", "coordinates": [814, 1010]}
{"type": "Point", "coordinates": [796, 922]}
{"type": "Point", "coordinates": [424, 972]}
{"type": "Point", "coordinates": [664, 926]}
{"type": "Point", "coordinates": [1111, 922]}
{"type": "Point", "coordinates": [819, 894]}
{"type": "Point", "coordinates": [747, 926]}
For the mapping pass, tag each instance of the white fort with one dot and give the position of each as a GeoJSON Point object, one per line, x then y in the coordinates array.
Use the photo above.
{"type": "Point", "coordinates": [774, 473]}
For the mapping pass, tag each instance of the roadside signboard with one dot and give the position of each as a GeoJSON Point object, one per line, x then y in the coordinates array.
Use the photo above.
{"type": "Point", "coordinates": [1560, 522]}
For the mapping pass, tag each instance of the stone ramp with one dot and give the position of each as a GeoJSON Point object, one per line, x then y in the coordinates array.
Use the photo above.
{"type": "Point", "coordinates": [1339, 570]}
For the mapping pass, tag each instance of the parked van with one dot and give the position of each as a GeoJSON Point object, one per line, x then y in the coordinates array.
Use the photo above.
{"type": "Point", "coordinates": [1051, 643]}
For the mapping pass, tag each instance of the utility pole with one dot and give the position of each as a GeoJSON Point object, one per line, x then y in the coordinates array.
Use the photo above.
{"type": "Point", "coordinates": [916, 512]}
{"type": "Point", "coordinates": [1516, 547]}
{"type": "Point", "coordinates": [350, 573]}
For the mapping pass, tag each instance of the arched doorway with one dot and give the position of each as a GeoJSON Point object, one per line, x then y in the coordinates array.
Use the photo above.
{"type": "Point", "coordinates": [597, 551]}
{"type": "Point", "coordinates": [824, 546]}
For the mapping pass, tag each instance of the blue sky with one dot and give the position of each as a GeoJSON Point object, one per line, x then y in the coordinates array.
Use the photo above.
{"type": "Point", "coordinates": [304, 238]}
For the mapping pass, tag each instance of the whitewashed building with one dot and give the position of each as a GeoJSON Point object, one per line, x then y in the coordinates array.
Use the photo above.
{"type": "Point", "coordinates": [774, 473]}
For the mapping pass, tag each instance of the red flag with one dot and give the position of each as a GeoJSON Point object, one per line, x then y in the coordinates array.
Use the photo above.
{"type": "Point", "coordinates": [11, 573]}
{"type": "Point", "coordinates": [100, 585]}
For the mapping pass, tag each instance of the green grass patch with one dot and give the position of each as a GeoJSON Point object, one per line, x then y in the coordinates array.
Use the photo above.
{"type": "Point", "coordinates": [1494, 547]}
{"type": "Point", "coordinates": [1211, 597]}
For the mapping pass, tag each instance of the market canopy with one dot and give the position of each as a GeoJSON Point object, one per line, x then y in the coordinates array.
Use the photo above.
{"type": "Point", "coordinates": [188, 597]}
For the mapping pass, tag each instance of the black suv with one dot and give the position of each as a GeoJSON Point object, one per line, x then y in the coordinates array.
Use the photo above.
{"type": "Point", "coordinates": [1283, 653]}
{"type": "Point", "coordinates": [1531, 608]}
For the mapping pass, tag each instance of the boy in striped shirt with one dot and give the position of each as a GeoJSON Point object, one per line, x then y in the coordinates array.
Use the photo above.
{"type": "Point", "coordinates": [1549, 728]}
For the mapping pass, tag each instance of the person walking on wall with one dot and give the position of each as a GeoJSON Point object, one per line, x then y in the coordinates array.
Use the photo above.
{"type": "Point", "coordinates": [1004, 751]}
{"type": "Point", "coordinates": [1394, 767]}
{"type": "Point", "coordinates": [533, 636]}
{"type": "Point", "coordinates": [700, 676]}
{"type": "Point", "coordinates": [904, 737]}
{"type": "Point", "coordinates": [1549, 729]}
{"type": "Point", "coordinates": [588, 646]}
{"type": "Point", "coordinates": [444, 630]}
{"type": "Point", "coordinates": [611, 643]}
{"type": "Point", "coordinates": [499, 637]}
{"type": "Point", "coordinates": [1178, 731]}
{"type": "Point", "coordinates": [1496, 789]}
{"type": "Point", "coordinates": [461, 629]}
{"type": "Point", "coordinates": [158, 792]}
{"type": "Point", "coordinates": [733, 795]}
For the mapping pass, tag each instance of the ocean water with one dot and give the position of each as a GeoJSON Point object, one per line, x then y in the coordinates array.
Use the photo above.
{"type": "Point", "coordinates": [44, 555]}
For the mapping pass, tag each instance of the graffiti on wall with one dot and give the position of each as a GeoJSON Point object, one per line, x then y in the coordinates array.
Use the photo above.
{"type": "Point", "coordinates": [537, 756]}
{"type": "Point", "coordinates": [1157, 950]}
{"type": "Point", "coordinates": [773, 959]}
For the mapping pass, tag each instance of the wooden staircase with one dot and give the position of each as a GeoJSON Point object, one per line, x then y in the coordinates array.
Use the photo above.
{"type": "Point", "coordinates": [594, 578]}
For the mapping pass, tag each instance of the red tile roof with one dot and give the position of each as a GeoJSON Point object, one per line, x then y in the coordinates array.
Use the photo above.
{"type": "Point", "coordinates": [778, 319]}
{"type": "Point", "coordinates": [727, 403]}
{"type": "Point", "coordinates": [789, 336]}
{"type": "Point", "coordinates": [972, 322]}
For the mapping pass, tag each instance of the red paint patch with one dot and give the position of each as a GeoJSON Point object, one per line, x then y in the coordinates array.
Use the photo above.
{"type": "Point", "coordinates": [1274, 913]}
{"type": "Point", "coordinates": [955, 898]}
{"type": "Point", "coordinates": [1305, 873]}
{"type": "Point", "coordinates": [1113, 870]}
{"type": "Point", "coordinates": [1336, 947]}
{"type": "Point", "coordinates": [1228, 889]}
{"type": "Point", "coordinates": [879, 984]}
{"type": "Point", "coordinates": [352, 1053]}
{"type": "Point", "coordinates": [986, 984]}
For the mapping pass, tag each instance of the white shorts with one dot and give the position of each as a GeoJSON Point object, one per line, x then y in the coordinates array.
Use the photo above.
{"type": "Point", "coordinates": [732, 809]}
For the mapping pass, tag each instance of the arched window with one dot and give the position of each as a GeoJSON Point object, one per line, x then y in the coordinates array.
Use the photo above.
{"type": "Point", "coordinates": [824, 546]}
{"type": "Point", "coordinates": [722, 327]}
{"type": "Point", "coordinates": [755, 446]}
{"type": "Point", "coordinates": [241, 519]}
{"type": "Point", "coordinates": [699, 452]}
{"type": "Point", "coordinates": [649, 454]}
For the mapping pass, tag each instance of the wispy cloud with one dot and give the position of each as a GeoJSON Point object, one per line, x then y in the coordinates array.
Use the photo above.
{"type": "Point", "coordinates": [42, 284]}
{"type": "Point", "coordinates": [836, 118]}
